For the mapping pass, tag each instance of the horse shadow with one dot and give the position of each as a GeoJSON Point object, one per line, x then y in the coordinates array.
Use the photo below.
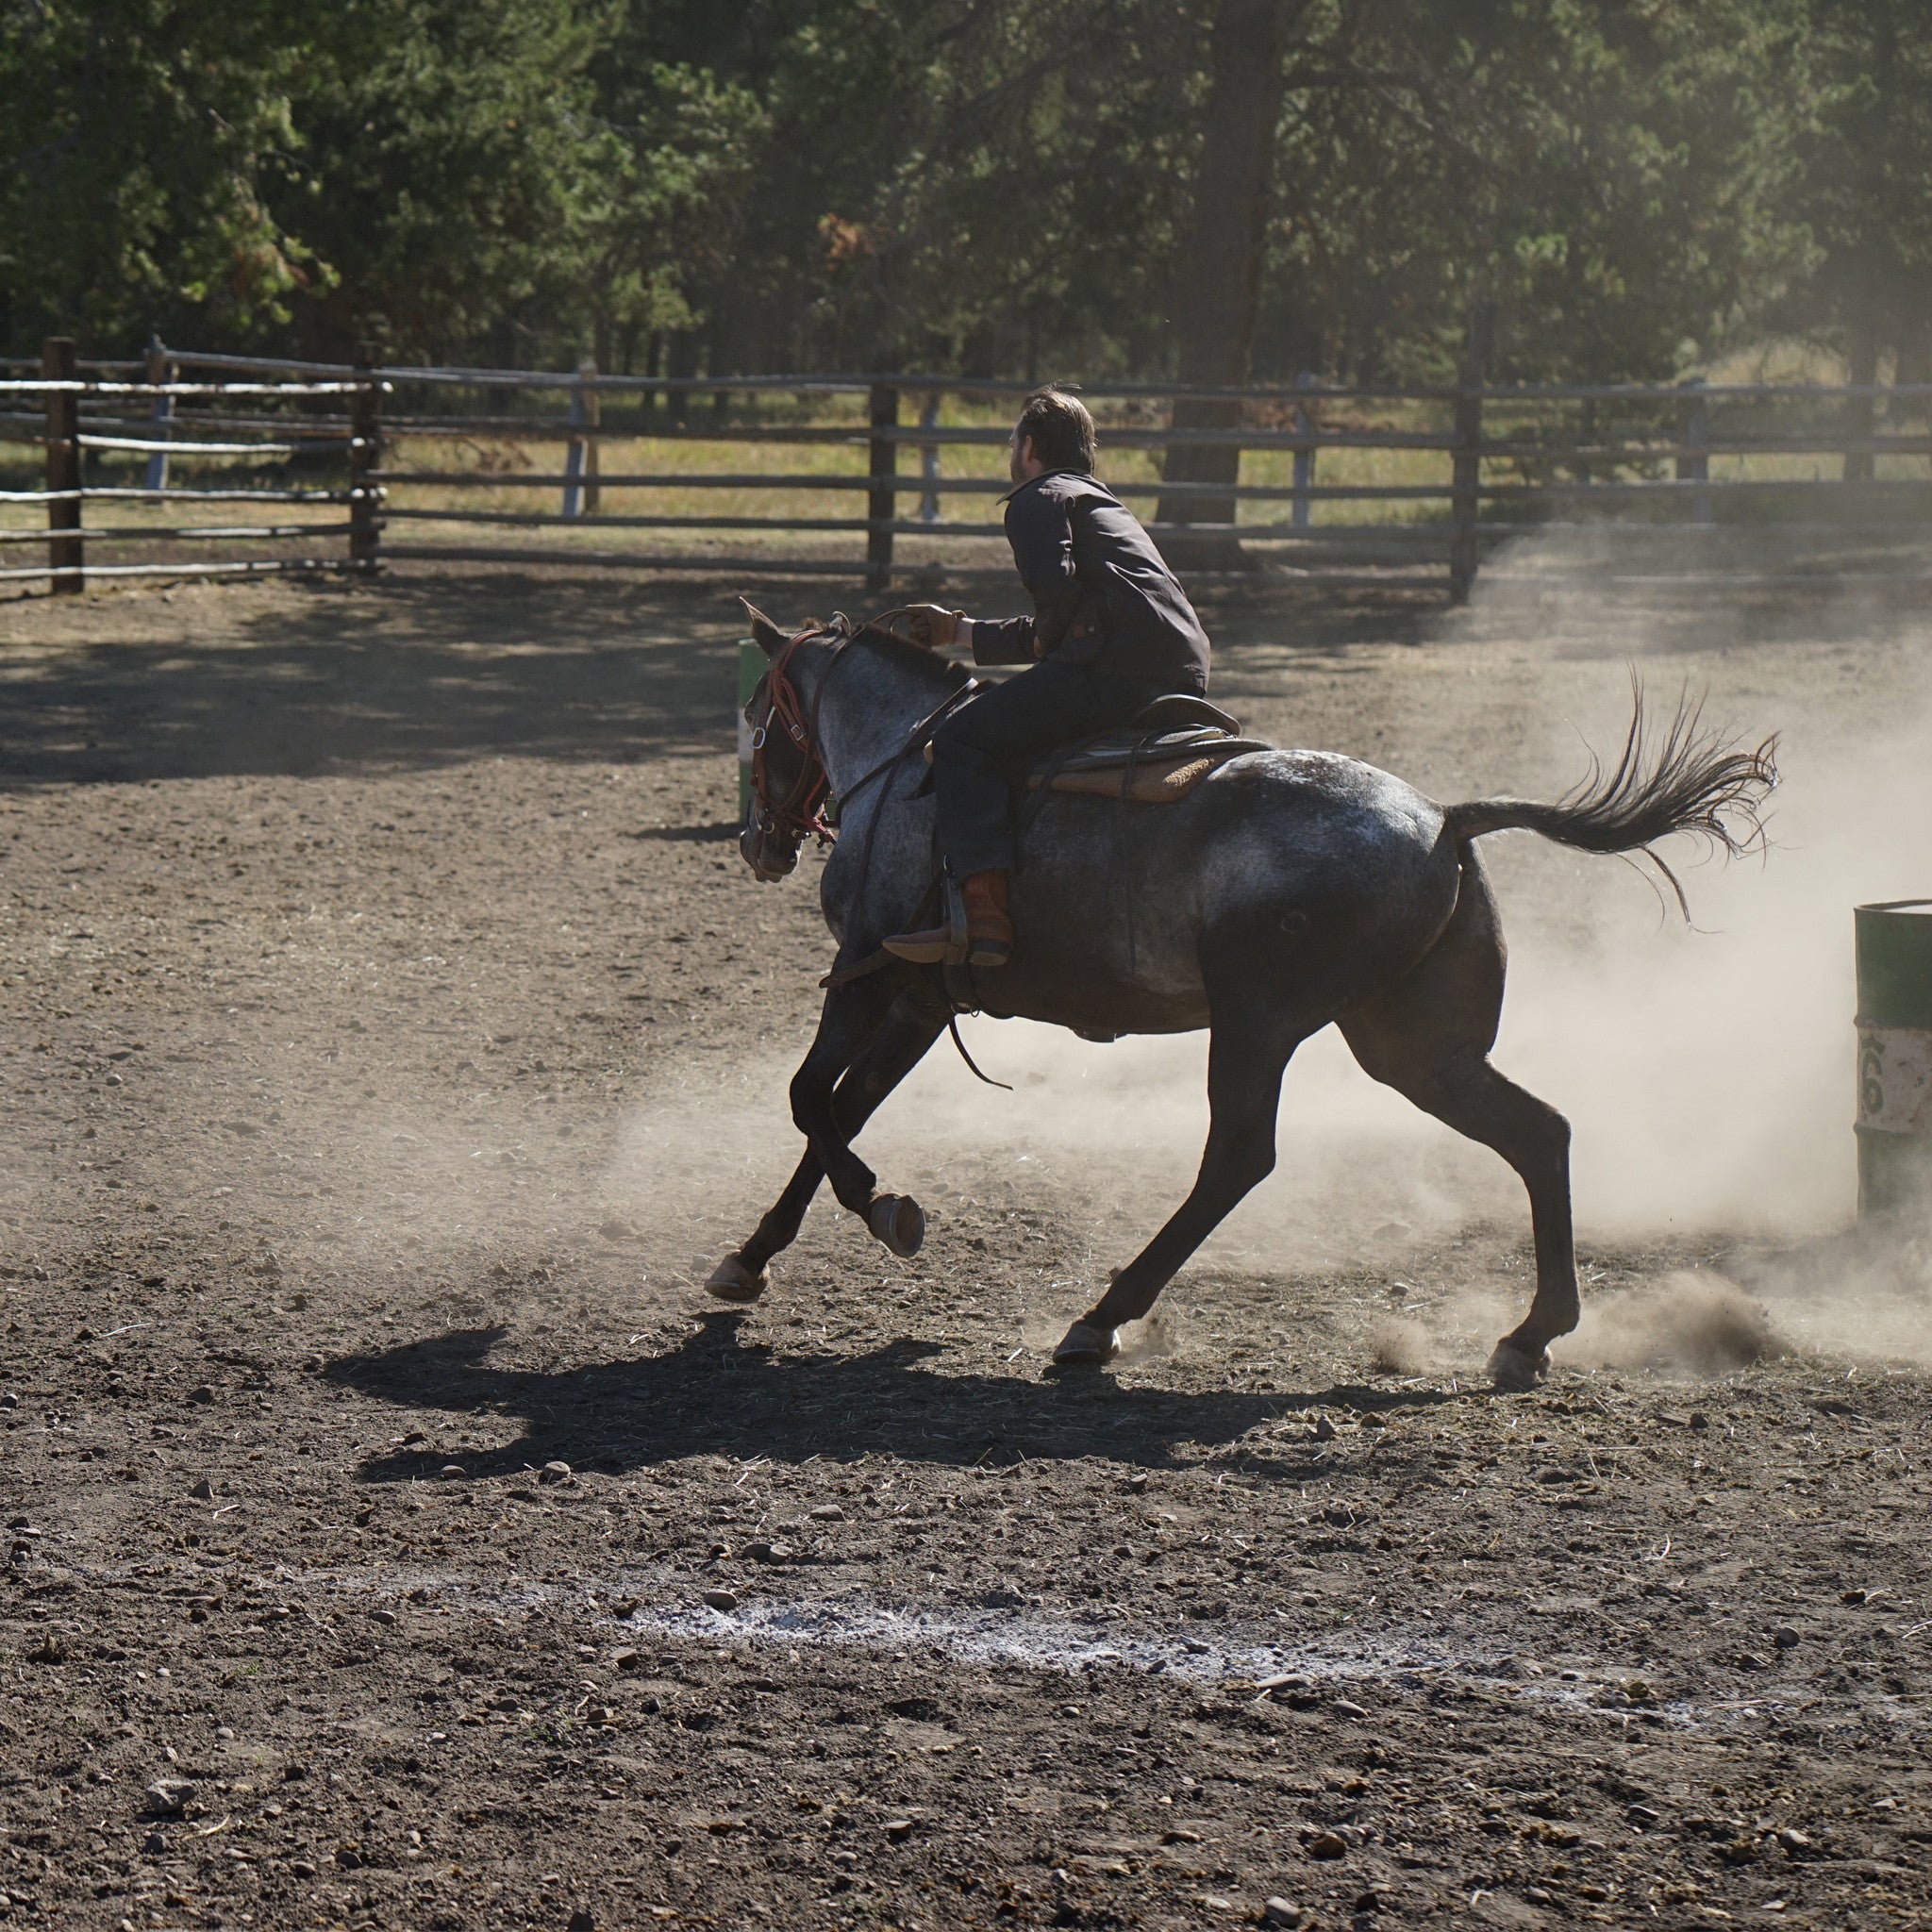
{"type": "Point", "coordinates": [721, 1395]}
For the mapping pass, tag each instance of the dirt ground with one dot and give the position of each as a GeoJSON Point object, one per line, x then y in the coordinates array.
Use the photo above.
{"type": "Point", "coordinates": [392, 1041]}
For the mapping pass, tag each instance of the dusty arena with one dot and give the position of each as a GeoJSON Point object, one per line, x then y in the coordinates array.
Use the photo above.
{"type": "Point", "coordinates": [393, 1041]}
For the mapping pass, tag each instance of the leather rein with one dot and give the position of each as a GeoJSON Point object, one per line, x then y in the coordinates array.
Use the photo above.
{"type": "Point", "coordinates": [802, 811]}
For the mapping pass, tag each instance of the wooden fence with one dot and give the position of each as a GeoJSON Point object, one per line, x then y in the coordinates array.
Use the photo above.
{"type": "Point", "coordinates": [1446, 473]}
{"type": "Point", "coordinates": [144, 415]}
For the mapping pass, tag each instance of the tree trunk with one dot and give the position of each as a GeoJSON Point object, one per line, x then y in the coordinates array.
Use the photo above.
{"type": "Point", "coordinates": [1218, 274]}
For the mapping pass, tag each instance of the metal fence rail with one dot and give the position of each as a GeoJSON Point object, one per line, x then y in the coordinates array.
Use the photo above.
{"type": "Point", "coordinates": [1467, 466]}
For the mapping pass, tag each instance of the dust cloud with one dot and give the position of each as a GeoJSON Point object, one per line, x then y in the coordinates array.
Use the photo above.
{"type": "Point", "coordinates": [1400, 1347]}
{"type": "Point", "coordinates": [1695, 1322]}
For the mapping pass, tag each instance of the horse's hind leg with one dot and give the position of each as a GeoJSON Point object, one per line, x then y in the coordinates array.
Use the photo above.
{"type": "Point", "coordinates": [1429, 1038]}
{"type": "Point", "coordinates": [902, 1041]}
{"type": "Point", "coordinates": [1246, 1057]}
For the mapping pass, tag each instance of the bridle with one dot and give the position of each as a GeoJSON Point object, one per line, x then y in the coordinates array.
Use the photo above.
{"type": "Point", "coordinates": [803, 808]}
{"type": "Point", "coordinates": [802, 813]}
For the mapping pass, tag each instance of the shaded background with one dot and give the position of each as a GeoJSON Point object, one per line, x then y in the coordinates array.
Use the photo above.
{"type": "Point", "coordinates": [1206, 191]}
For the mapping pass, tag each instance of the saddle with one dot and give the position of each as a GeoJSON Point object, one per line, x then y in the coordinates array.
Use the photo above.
{"type": "Point", "coordinates": [1158, 758]}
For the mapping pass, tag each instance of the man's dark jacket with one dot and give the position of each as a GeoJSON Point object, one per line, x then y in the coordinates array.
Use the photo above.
{"type": "Point", "coordinates": [1102, 593]}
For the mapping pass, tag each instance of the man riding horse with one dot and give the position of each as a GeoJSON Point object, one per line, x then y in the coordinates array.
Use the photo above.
{"type": "Point", "coordinates": [1112, 631]}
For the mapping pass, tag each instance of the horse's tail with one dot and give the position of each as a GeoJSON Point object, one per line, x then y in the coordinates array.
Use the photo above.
{"type": "Point", "coordinates": [1691, 780]}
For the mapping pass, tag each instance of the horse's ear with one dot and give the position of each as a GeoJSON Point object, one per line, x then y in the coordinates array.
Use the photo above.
{"type": "Point", "coordinates": [764, 633]}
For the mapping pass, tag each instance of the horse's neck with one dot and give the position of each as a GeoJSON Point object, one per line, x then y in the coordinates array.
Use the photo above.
{"type": "Point", "coordinates": [868, 711]}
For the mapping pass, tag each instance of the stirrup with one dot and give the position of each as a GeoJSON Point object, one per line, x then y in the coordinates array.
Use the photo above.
{"type": "Point", "coordinates": [928, 948]}
{"type": "Point", "coordinates": [939, 945]}
{"type": "Point", "coordinates": [957, 940]}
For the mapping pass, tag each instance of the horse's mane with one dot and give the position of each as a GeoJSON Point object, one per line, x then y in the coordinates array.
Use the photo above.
{"type": "Point", "coordinates": [940, 673]}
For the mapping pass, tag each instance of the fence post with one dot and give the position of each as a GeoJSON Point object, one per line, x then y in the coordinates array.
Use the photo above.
{"type": "Point", "coordinates": [929, 459]}
{"type": "Point", "coordinates": [1694, 431]}
{"type": "Point", "coordinates": [159, 370]}
{"type": "Point", "coordinates": [880, 501]}
{"type": "Point", "coordinates": [1860, 427]}
{"type": "Point", "coordinates": [1467, 473]}
{"type": "Point", "coordinates": [365, 455]}
{"type": "Point", "coordinates": [60, 363]}
{"type": "Point", "coordinates": [1861, 413]}
{"type": "Point", "coordinates": [1464, 483]}
{"type": "Point", "coordinates": [1303, 458]}
{"type": "Point", "coordinates": [593, 416]}
{"type": "Point", "coordinates": [580, 493]}
{"type": "Point", "coordinates": [680, 365]}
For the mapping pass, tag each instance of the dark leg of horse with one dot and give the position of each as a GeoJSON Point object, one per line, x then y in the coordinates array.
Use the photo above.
{"type": "Point", "coordinates": [910, 1029]}
{"type": "Point", "coordinates": [1248, 1052]}
{"type": "Point", "coordinates": [1429, 1038]}
{"type": "Point", "coordinates": [852, 1016]}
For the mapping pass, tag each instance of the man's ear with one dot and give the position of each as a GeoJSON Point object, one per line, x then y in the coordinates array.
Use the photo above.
{"type": "Point", "coordinates": [764, 633]}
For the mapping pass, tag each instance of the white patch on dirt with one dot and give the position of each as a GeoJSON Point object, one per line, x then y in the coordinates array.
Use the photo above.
{"type": "Point", "coordinates": [1020, 1635]}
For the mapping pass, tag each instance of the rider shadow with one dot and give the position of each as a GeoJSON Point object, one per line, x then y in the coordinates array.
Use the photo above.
{"type": "Point", "coordinates": [719, 1396]}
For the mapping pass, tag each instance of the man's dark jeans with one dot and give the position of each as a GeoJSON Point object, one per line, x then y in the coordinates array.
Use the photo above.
{"type": "Point", "coordinates": [981, 751]}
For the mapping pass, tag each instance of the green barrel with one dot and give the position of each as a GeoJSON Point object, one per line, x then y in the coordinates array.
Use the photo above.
{"type": "Point", "coordinates": [751, 667]}
{"type": "Point", "coordinates": [1895, 949]}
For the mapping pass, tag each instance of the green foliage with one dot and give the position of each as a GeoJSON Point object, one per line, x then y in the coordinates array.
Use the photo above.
{"type": "Point", "coordinates": [1598, 173]}
{"type": "Point", "coordinates": [1624, 185]}
{"type": "Point", "coordinates": [1037, 205]}
{"type": "Point", "coordinates": [460, 168]}
{"type": "Point", "coordinates": [1858, 122]}
{"type": "Point", "coordinates": [140, 151]}
{"type": "Point", "coordinates": [688, 146]}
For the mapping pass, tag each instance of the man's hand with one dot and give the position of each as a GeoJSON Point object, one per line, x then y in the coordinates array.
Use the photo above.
{"type": "Point", "coordinates": [935, 629]}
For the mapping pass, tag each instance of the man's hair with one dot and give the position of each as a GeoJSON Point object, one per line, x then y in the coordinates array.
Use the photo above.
{"type": "Point", "coordinates": [1061, 429]}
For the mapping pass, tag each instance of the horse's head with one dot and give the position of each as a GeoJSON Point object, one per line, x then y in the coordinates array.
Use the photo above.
{"type": "Point", "coordinates": [899, 685]}
{"type": "Point", "coordinates": [789, 785]}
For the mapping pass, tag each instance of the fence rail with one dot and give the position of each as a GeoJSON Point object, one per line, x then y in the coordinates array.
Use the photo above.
{"type": "Point", "coordinates": [1455, 469]}
{"type": "Point", "coordinates": [89, 412]}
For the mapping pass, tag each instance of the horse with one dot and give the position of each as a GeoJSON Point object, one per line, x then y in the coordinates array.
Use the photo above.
{"type": "Point", "coordinates": [1289, 891]}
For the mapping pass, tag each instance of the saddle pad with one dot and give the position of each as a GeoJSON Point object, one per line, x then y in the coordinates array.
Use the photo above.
{"type": "Point", "coordinates": [1156, 781]}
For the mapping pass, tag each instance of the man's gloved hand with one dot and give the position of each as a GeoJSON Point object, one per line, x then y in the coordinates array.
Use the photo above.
{"type": "Point", "coordinates": [936, 629]}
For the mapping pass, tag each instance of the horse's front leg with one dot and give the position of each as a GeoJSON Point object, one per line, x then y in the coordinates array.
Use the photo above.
{"type": "Point", "coordinates": [853, 1015]}
{"type": "Point", "coordinates": [908, 1031]}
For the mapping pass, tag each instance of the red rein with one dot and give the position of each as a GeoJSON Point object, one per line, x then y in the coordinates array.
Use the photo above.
{"type": "Point", "coordinates": [802, 811]}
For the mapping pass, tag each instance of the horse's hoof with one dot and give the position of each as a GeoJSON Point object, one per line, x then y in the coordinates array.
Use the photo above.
{"type": "Point", "coordinates": [1083, 1346]}
{"type": "Point", "coordinates": [1515, 1371]}
{"type": "Point", "coordinates": [732, 1281]}
{"type": "Point", "coordinates": [899, 1221]}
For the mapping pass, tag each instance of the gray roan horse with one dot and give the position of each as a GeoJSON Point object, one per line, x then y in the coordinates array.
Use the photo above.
{"type": "Point", "coordinates": [1291, 888]}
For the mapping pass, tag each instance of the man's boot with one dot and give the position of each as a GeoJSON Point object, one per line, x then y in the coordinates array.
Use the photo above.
{"type": "Point", "coordinates": [988, 927]}
{"type": "Point", "coordinates": [989, 924]}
